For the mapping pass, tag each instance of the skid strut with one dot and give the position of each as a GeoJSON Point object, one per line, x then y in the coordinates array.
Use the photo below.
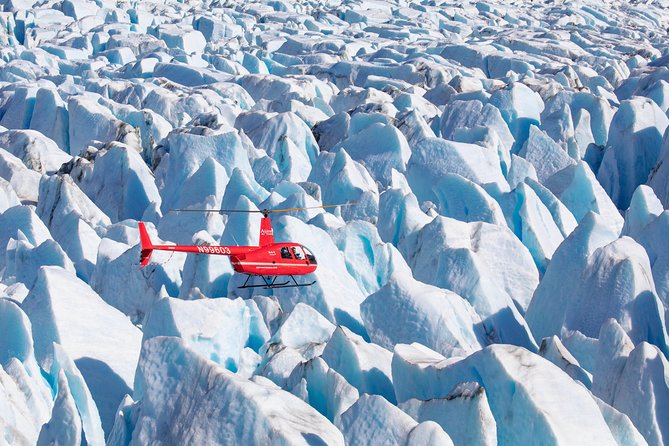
{"type": "Point", "coordinates": [270, 282]}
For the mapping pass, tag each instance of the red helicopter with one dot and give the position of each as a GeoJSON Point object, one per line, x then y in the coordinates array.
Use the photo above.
{"type": "Point", "coordinates": [268, 260]}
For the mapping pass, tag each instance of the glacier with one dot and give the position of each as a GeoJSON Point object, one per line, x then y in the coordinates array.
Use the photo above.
{"type": "Point", "coordinates": [494, 270]}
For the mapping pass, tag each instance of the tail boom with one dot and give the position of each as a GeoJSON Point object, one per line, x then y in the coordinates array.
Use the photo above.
{"type": "Point", "coordinates": [148, 247]}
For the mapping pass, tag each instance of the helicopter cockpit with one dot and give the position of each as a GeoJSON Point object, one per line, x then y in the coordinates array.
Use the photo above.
{"type": "Point", "coordinates": [298, 252]}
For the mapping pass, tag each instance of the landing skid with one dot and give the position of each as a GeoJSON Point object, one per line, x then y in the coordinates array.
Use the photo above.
{"type": "Point", "coordinates": [271, 284]}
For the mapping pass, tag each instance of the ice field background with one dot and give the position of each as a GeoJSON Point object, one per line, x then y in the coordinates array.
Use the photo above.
{"type": "Point", "coordinates": [502, 279]}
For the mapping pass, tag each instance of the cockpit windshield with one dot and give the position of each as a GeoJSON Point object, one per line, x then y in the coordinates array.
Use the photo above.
{"type": "Point", "coordinates": [310, 256]}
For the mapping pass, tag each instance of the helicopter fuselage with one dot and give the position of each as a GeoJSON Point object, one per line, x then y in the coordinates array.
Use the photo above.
{"type": "Point", "coordinates": [283, 259]}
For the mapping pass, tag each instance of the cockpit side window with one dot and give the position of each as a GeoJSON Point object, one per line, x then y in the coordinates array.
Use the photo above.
{"type": "Point", "coordinates": [310, 256]}
{"type": "Point", "coordinates": [285, 253]}
{"type": "Point", "coordinates": [297, 253]}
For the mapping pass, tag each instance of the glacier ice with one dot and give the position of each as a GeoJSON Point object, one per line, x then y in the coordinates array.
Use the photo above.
{"type": "Point", "coordinates": [635, 139]}
{"type": "Point", "coordinates": [73, 219]}
{"type": "Point", "coordinates": [372, 420]}
{"type": "Point", "coordinates": [65, 424]}
{"type": "Point", "coordinates": [121, 185]}
{"type": "Point", "coordinates": [464, 200]}
{"type": "Point", "coordinates": [546, 155]}
{"type": "Point", "coordinates": [135, 295]}
{"type": "Point", "coordinates": [24, 181]}
{"type": "Point", "coordinates": [406, 310]}
{"type": "Point", "coordinates": [520, 107]}
{"type": "Point", "coordinates": [464, 414]}
{"type": "Point", "coordinates": [24, 259]}
{"type": "Point", "coordinates": [579, 190]}
{"type": "Point", "coordinates": [69, 312]}
{"type": "Point", "coordinates": [335, 294]}
{"type": "Point", "coordinates": [217, 329]}
{"type": "Point", "coordinates": [27, 396]}
{"type": "Point", "coordinates": [379, 146]}
{"type": "Point", "coordinates": [368, 259]}
{"type": "Point", "coordinates": [214, 406]}
{"type": "Point", "coordinates": [364, 365]}
{"type": "Point", "coordinates": [534, 224]}
{"type": "Point", "coordinates": [305, 330]}
{"type": "Point", "coordinates": [508, 165]}
{"type": "Point", "coordinates": [432, 158]}
{"type": "Point", "coordinates": [643, 209]}
{"type": "Point", "coordinates": [187, 151]}
{"type": "Point", "coordinates": [552, 349]}
{"type": "Point", "coordinates": [517, 395]}
{"type": "Point", "coordinates": [645, 371]}
{"type": "Point", "coordinates": [24, 219]}
{"type": "Point", "coordinates": [9, 198]}
{"type": "Point", "coordinates": [80, 394]}
{"type": "Point", "coordinates": [37, 152]}
{"type": "Point", "coordinates": [464, 259]}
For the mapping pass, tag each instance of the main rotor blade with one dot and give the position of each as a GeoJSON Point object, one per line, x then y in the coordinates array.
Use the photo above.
{"type": "Point", "coordinates": [311, 207]}
{"type": "Point", "coordinates": [225, 211]}
{"type": "Point", "coordinates": [220, 211]}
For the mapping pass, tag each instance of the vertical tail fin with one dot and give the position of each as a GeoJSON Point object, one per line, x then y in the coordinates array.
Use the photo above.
{"type": "Point", "coordinates": [266, 232]}
{"type": "Point", "coordinates": [147, 246]}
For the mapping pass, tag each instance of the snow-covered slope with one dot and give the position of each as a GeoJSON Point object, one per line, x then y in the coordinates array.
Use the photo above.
{"type": "Point", "coordinates": [499, 274]}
